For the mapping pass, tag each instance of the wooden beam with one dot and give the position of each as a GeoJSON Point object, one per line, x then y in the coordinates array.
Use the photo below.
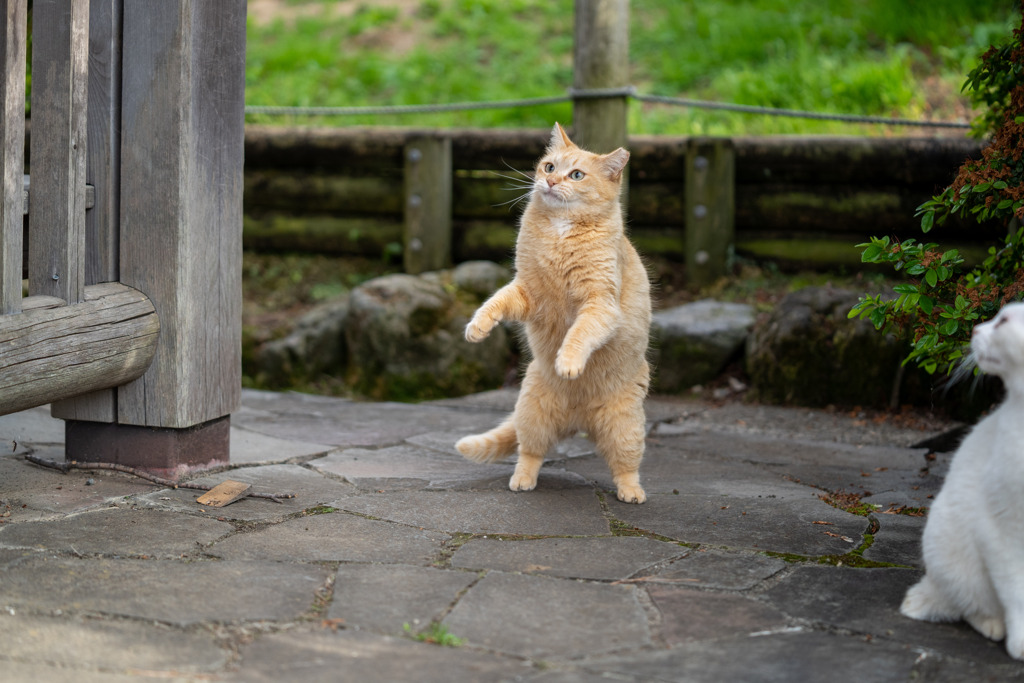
{"type": "Point", "coordinates": [427, 239]}
{"type": "Point", "coordinates": [52, 352]}
{"type": "Point", "coordinates": [60, 49]}
{"type": "Point", "coordinates": [182, 115]}
{"type": "Point", "coordinates": [12, 156]}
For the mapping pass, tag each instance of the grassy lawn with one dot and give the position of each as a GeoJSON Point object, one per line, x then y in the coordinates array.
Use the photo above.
{"type": "Point", "coordinates": [904, 58]}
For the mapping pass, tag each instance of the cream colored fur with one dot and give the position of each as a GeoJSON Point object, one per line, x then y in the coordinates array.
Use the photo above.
{"type": "Point", "coordinates": [583, 296]}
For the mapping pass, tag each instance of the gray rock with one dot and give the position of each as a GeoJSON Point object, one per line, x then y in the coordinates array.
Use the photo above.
{"type": "Point", "coordinates": [316, 346]}
{"type": "Point", "coordinates": [405, 339]}
{"type": "Point", "coordinates": [692, 343]}
{"type": "Point", "coordinates": [808, 352]}
{"type": "Point", "coordinates": [480, 278]}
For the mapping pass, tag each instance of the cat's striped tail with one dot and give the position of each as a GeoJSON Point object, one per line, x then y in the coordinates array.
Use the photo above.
{"type": "Point", "coordinates": [490, 446]}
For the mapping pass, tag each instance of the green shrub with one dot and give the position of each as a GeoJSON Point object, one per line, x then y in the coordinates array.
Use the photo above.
{"type": "Point", "coordinates": [937, 308]}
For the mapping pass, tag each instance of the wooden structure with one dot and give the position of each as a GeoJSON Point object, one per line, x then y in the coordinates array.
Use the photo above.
{"type": "Point", "coordinates": [132, 323]}
{"type": "Point", "coordinates": [796, 201]}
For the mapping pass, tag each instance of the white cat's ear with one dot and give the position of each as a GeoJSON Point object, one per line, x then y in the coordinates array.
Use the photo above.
{"type": "Point", "coordinates": [559, 138]}
{"type": "Point", "coordinates": [614, 163]}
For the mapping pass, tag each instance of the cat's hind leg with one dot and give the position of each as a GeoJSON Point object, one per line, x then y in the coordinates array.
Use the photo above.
{"type": "Point", "coordinates": [618, 427]}
{"type": "Point", "coordinates": [491, 446]}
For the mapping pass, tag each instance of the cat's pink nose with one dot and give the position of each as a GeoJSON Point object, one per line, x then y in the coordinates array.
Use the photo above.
{"type": "Point", "coordinates": [552, 182]}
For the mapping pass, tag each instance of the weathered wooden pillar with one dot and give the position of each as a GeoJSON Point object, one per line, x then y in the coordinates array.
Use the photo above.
{"type": "Point", "coordinates": [181, 148]}
{"type": "Point", "coordinates": [427, 235]}
{"type": "Point", "coordinates": [710, 208]}
{"type": "Point", "coordinates": [12, 156]}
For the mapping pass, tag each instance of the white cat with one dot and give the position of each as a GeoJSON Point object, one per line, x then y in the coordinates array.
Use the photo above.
{"type": "Point", "coordinates": [973, 543]}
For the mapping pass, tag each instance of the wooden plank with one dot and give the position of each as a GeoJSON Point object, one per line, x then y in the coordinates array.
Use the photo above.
{"type": "Point", "coordinates": [427, 238]}
{"type": "Point", "coordinates": [710, 209]}
{"type": "Point", "coordinates": [102, 169]}
{"type": "Point", "coordinates": [12, 133]}
{"type": "Point", "coordinates": [224, 493]}
{"type": "Point", "coordinates": [55, 352]}
{"type": "Point", "coordinates": [183, 83]}
{"type": "Point", "coordinates": [60, 47]}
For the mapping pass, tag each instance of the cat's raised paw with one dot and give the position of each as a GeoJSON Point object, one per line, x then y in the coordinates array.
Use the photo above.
{"type": "Point", "coordinates": [479, 327]}
{"type": "Point", "coordinates": [568, 367]}
{"type": "Point", "coordinates": [631, 494]}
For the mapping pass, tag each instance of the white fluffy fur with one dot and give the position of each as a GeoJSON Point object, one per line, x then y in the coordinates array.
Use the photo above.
{"type": "Point", "coordinates": [973, 544]}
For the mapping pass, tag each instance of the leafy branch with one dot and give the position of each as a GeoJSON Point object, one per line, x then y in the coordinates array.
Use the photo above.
{"type": "Point", "coordinates": [937, 308]}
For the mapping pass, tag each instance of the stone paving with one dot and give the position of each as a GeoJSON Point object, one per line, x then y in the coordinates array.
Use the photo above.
{"type": "Point", "coordinates": [735, 569]}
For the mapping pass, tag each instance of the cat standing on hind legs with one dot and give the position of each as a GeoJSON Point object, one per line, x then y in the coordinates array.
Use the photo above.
{"type": "Point", "coordinates": [583, 296]}
{"type": "Point", "coordinates": [973, 542]}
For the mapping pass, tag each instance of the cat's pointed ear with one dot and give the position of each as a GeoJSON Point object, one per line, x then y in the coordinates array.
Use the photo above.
{"type": "Point", "coordinates": [559, 138]}
{"type": "Point", "coordinates": [614, 163]}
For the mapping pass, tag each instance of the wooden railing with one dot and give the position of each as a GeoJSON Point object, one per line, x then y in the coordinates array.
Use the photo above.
{"type": "Point", "coordinates": [131, 325]}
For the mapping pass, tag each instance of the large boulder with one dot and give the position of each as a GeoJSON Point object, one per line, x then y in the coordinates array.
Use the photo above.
{"type": "Point", "coordinates": [807, 351]}
{"type": "Point", "coordinates": [691, 344]}
{"type": "Point", "coordinates": [406, 341]}
{"type": "Point", "coordinates": [315, 347]}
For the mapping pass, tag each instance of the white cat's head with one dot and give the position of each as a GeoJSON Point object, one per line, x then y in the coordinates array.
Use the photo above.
{"type": "Point", "coordinates": [567, 175]}
{"type": "Point", "coordinates": [997, 346]}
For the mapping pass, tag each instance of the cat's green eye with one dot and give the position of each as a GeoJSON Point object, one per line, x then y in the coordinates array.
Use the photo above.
{"type": "Point", "coordinates": [577, 175]}
{"type": "Point", "coordinates": [549, 167]}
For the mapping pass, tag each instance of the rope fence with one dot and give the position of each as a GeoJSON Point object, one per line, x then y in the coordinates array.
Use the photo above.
{"type": "Point", "coordinates": [595, 93]}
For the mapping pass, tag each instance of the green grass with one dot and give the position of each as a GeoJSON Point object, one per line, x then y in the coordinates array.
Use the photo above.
{"type": "Point", "coordinates": [904, 58]}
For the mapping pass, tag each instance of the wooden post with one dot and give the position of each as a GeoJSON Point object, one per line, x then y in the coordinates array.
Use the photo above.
{"type": "Point", "coordinates": [60, 48]}
{"type": "Point", "coordinates": [12, 133]}
{"type": "Point", "coordinates": [428, 204]}
{"type": "Point", "coordinates": [182, 115]}
{"type": "Point", "coordinates": [710, 208]}
{"type": "Point", "coordinates": [601, 61]}
{"type": "Point", "coordinates": [103, 173]}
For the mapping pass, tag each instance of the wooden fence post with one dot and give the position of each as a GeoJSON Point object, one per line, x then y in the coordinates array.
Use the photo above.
{"type": "Point", "coordinates": [601, 60]}
{"type": "Point", "coordinates": [427, 235]}
{"type": "Point", "coordinates": [710, 208]}
{"type": "Point", "coordinates": [12, 133]}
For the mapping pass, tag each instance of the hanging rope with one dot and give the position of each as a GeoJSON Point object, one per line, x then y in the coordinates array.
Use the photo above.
{"type": "Point", "coordinates": [594, 93]}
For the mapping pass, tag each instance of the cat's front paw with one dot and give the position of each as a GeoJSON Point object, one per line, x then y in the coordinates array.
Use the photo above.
{"type": "Point", "coordinates": [630, 493]}
{"type": "Point", "coordinates": [993, 628]}
{"type": "Point", "coordinates": [569, 365]}
{"type": "Point", "coordinates": [479, 327]}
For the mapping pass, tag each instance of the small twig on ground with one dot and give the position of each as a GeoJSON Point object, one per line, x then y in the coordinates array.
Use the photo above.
{"type": "Point", "coordinates": [652, 579]}
{"type": "Point", "coordinates": [68, 465]}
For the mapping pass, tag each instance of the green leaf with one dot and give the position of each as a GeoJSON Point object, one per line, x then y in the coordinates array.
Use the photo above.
{"type": "Point", "coordinates": [931, 277]}
{"type": "Point", "coordinates": [927, 221]}
{"type": "Point", "coordinates": [927, 304]}
{"type": "Point", "coordinates": [905, 289]}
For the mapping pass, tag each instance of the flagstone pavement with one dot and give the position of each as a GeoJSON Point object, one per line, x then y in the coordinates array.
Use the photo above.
{"type": "Point", "coordinates": [398, 560]}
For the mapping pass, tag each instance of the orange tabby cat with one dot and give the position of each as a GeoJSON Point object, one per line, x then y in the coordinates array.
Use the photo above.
{"type": "Point", "coordinates": [584, 298]}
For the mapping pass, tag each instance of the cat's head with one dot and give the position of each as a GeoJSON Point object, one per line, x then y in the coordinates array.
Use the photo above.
{"type": "Point", "coordinates": [997, 346]}
{"type": "Point", "coordinates": [568, 178]}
